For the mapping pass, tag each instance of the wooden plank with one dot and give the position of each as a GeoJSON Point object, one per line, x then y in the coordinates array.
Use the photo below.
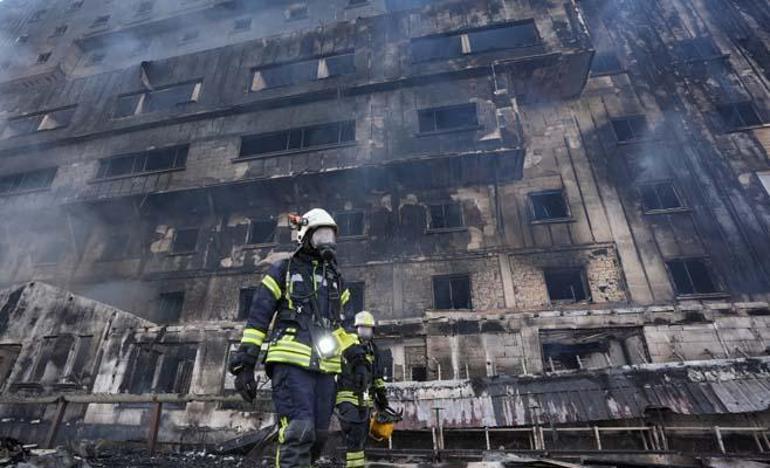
{"type": "Point", "coordinates": [153, 426]}
{"type": "Point", "coordinates": [53, 431]}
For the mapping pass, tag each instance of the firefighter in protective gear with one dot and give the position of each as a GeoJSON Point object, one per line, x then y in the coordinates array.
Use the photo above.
{"type": "Point", "coordinates": [304, 297]}
{"type": "Point", "coordinates": [359, 387]}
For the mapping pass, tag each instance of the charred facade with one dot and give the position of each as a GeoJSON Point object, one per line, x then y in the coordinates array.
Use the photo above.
{"type": "Point", "coordinates": [530, 189]}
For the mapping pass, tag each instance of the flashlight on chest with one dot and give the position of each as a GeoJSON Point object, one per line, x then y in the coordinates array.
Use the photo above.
{"type": "Point", "coordinates": [326, 345]}
{"type": "Point", "coordinates": [329, 344]}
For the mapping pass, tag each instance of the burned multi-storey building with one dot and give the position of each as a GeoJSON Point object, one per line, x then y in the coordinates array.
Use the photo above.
{"type": "Point", "coordinates": [559, 211]}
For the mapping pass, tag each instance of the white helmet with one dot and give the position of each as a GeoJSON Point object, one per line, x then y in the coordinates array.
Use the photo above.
{"type": "Point", "coordinates": [364, 319]}
{"type": "Point", "coordinates": [313, 220]}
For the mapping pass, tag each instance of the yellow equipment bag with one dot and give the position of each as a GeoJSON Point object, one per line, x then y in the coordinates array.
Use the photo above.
{"type": "Point", "coordinates": [383, 423]}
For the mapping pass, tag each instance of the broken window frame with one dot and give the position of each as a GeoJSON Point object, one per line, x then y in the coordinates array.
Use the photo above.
{"type": "Point", "coordinates": [536, 218]}
{"type": "Point", "coordinates": [294, 140]}
{"type": "Point", "coordinates": [453, 304]}
{"type": "Point", "coordinates": [576, 339]}
{"type": "Point", "coordinates": [260, 76]}
{"type": "Point", "coordinates": [264, 221]}
{"type": "Point", "coordinates": [297, 12]}
{"type": "Point", "coordinates": [583, 281]}
{"type": "Point", "coordinates": [47, 120]}
{"type": "Point", "coordinates": [433, 115]}
{"type": "Point", "coordinates": [141, 161]}
{"type": "Point", "coordinates": [697, 49]}
{"type": "Point", "coordinates": [161, 352]}
{"type": "Point", "coordinates": [462, 42]}
{"type": "Point", "coordinates": [346, 221]}
{"type": "Point", "coordinates": [170, 306]}
{"type": "Point", "coordinates": [633, 128]}
{"type": "Point", "coordinates": [734, 119]}
{"type": "Point", "coordinates": [13, 184]}
{"type": "Point", "coordinates": [116, 246]}
{"type": "Point", "coordinates": [764, 180]}
{"type": "Point", "coordinates": [143, 99]}
{"type": "Point", "coordinates": [648, 189]}
{"type": "Point", "coordinates": [177, 232]}
{"type": "Point", "coordinates": [357, 295]}
{"type": "Point", "coordinates": [690, 264]}
{"type": "Point", "coordinates": [11, 351]}
{"type": "Point", "coordinates": [446, 216]}
{"type": "Point", "coordinates": [246, 297]}
{"type": "Point", "coordinates": [606, 63]}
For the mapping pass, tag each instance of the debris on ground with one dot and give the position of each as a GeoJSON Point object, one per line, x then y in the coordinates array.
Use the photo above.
{"type": "Point", "coordinates": [12, 451]}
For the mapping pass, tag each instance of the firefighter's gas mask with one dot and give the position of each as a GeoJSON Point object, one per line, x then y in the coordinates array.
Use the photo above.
{"type": "Point", "coordinates": [324, 240]}
{"type": "Point", "coordinates": [365, 333]}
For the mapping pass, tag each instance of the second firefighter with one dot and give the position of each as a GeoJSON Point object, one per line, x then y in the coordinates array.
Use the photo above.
{"type": "Point", "coordinates": [360, 386]}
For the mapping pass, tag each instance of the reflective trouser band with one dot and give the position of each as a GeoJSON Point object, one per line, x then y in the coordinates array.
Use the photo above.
{"type": "Point", "coordinates": [281, 440]}
{"type": "Point", "coordinates": [346, 396]}
{"type": "Point", "coordinates": [253, 336]}
{"type": "Point", "coordinates": [355, 459]}
{"type": "Point", "coordinates": [272, 285]}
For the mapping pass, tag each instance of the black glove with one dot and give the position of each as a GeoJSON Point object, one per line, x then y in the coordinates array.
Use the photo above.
{"type": "Point", "coordinates": [242, 365]}
{"type": "Point", "coordinates": [380, 398]}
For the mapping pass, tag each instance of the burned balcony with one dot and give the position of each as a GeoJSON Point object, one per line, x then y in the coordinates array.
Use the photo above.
{"type": "Point", "coordinates": [592, 348]}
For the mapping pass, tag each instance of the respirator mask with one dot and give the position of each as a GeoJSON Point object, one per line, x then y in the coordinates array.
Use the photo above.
{"type": "Point", "coordinates": [365, 333]}
{"type": "Point", "coordinates": [324, 240]}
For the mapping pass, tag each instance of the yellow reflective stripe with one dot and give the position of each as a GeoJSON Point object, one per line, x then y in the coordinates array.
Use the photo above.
{"type": "Point", "coordinates": [281, 440]}
{"type": "Point", "coordinates": [282, 345]}
{"type": "Point", "coordinates": [253, 336]}
{"type": "Point", "coordinates": [330, 367]}
{"type": "Point", "coordinates": [355, 459]}
{"type": "Point", "coordinates": [289, 290]}
{"type": "Point", "coordinates": [345, 297]}
{"type": "Point", "coordinates": [347, 396]}
{"type": "Point", "coordinates": [379, 383]}
{"type": "Point", "coordinates": [272, 285]}
{"type": "Point", "coordinates": [278, 349]}
{"type": "Point", "coordinates": [344, 339]}
{"type": "Point", "coordinates": [354, 455]}
{"type": "Point", "coordinates": [288, 358]}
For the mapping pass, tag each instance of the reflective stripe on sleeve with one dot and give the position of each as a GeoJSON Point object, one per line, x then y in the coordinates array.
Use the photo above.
{"type": "Point", "coordinates": [272, 285]}
{"type": "Point", "coordinates": [345, 297]}
{"type": "Point", "coordinates": [253, 336]}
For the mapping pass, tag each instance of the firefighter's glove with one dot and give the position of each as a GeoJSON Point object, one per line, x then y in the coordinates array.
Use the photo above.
{"type": "Point", "coordinates": [242, 365]}
{"type": "Point", "coordinates": [380, 398]}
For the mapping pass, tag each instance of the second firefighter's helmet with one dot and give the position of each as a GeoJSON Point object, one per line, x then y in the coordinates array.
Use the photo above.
{"type": "Point", "coordinates": [364, 319]}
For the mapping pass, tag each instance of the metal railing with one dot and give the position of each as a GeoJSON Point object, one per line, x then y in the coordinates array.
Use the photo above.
{"type": "Point", "coordinates": [653, 437]}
